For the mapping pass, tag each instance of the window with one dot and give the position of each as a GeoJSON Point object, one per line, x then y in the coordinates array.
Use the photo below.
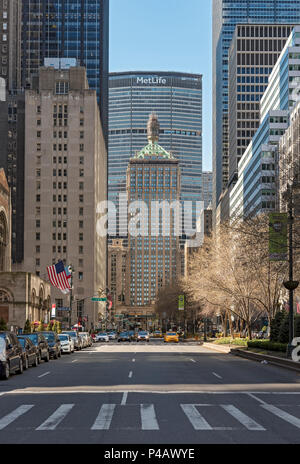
{"type": "Point", "coordinates": [61, 88]}
{"type": "Point", "coordinates": [82, 134]}
{"type": "Point", "coordinates": [81, 147]}
{"type": "Point", "coordinates": [80, 275]}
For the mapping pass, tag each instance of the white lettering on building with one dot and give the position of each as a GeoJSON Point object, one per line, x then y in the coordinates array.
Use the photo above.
{"type": "Point", "coordinates": [151, 80]}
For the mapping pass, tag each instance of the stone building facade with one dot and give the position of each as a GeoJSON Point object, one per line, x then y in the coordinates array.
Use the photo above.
{"type": "Point", "coordinates": [5, 224]}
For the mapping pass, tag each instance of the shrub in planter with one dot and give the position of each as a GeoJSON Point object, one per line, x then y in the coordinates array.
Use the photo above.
{"type": "Point", "coordinates": [284, 330]}
{"type": "Point", "coordinates": [268, 345]}
{"type": "Point", "coordinates": [275, 326]}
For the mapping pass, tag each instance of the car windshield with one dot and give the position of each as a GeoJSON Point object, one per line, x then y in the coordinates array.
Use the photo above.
{"type": "Point", "coordinates": [22, 341]}
{"type": "Point", "coordinates": [33, 337]}
{"type": "Point", "coordinates": [49, 336]}
{"type": "Point", "coordinates": [171, 333]}
{"type": "Point", "coordinates": [63, 337]}
{"type": "Point", "coordinates": [143, 333]}
{"type": "Point", "coordinates": [2, 335]}
{"type": "Point", "coordinates": [102, 334]}
{"type": "Point", "coordinates": [72, 334]}
{"type": "Point", "coordinates": [123, 334]}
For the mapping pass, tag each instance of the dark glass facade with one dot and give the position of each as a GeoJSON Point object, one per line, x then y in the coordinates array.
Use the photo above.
{"type": "Point", "coordinates": [176, 98]}
{"type": "Point", "coordinates": [68, 29]}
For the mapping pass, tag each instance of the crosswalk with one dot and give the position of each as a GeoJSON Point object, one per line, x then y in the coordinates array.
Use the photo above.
{"type": "Point", "coordinates": [197, 416]}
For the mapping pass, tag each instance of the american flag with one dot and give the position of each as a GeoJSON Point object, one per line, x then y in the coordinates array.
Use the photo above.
{"type": "Point", "coordinates": [58, 277]}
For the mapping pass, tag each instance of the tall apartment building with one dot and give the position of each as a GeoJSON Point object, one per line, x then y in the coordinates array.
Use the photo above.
{"type": "Point", "coordinates": [5, 224]}
{"type": "Point", "coordinates": [176, 98]}
{"type": "Point", "coordinates": [257, 187]}
{"type": "Point", "coordinates": [68, 29]}
{"type": "Point", "coordinates": [226, 15]}
{"type": "Point", "coordinates": [253, 53]}
{"type": "Point", "coordinates": [65, 179]}
{"type": "Point", "coordinates": [10, 40]}
{"type": "Point", "coordinates": [289, 164]}
{"type": "Point", "coordinates": [153, 175]}
{"type": "Point", "coordinates": [207, 183]}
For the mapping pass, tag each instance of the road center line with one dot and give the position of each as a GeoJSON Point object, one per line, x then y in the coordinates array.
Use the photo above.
{"type": "Point", "coordinates": [130, 374]}
{"type": "Point", "coordinates": [124, 399]}
{"type": "Point", "coordinates": [217, 375]}
{"type": "Point", "coordinates": [46, 373]}
{"type": "Point", "coordinates": [255, 398]}
{"type": "Point", "coordinates": [193, 360]}
{"type": "Point", "coordinates": [74, 361]}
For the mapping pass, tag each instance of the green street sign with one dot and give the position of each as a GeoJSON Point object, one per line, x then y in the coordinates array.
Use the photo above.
{"type": "Point", "coordinates": [278, 235]}
{"type": "Point", "coordinates": [181, 302]}
{"type": "Point", "coordinates": [99, 299]}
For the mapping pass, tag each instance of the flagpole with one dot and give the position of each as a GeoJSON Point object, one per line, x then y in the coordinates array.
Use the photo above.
{"type": "Point", "coordinates": [71, 297]}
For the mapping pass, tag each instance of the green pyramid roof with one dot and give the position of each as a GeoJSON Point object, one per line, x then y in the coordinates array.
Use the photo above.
{"type": "Point", "coordinates": [151, 150]}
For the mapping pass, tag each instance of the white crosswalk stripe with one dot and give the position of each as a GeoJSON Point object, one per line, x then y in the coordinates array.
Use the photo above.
{"type": "Point", "coordinates": [282, 414]}
{"type": "Point", "coordinates": [245, 420]}
{"type": "Point", "coordinates": [148, 417]}
{"type": "Point", "coordinates": [195, 418]}
{"type": "Point", "coordinates": [55, 419]}
{"type": "Point", "coordinates": [104, 418]}
{"type": "Point", "coordinates": [6, 420]}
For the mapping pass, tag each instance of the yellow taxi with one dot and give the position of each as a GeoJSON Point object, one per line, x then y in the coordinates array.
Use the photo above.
{"type": "Point", "coordinates": [171, 337]}
{"type": "Point", "coordinates": [157, 334]}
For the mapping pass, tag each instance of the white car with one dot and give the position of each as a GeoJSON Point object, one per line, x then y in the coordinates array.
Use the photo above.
{"type": "Point", "coordinates": [112, 335]}
{"type": "Point", "coordinates": [66, 343]}
{"type": "Point", "coordinates": [102, 337]}
{"type": "Point", "coordinates": [143, 336]}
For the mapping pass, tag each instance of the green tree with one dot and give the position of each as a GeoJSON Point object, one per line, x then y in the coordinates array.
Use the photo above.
{"type": "Point", "coordinates": [58, 327]}
{"type": "Point", "coordinates": [49, 326]}
{"type": "Point", "coordinates": [275, 326]}
{"type": "Point", "coordinates": [3, 325]}
{"type": "Point", "coordinates": [54, 327]}
{"type": "Point", "coordinates": [284, 330]}
{"type": "Point", "coordinates": [40, 327]}
{"type": "Point", "coordinates": [27, 327]}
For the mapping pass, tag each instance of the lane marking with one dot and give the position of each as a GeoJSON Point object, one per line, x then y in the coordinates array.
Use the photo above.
{"type": "Point", "coordinates": [193, 360]}
{"type": "Point", "coordinates": [9, 418]}
{"type": "Point", "coordinates": [282, 414]}
{"type": "Point", "coordinates": [46, 373]}
{"type": "Point", "coordinates": [133, 360]}
{"type": "Point", "coordinates": [124, 398]}
{"type": "Point", "coordinates": [74, 361]}
{"type": "Point", "coordinates": [104, 417]}
{"type": "Point", "coordinates": [52, 422]}
{"type": "Point", "coordinates": [255, 398]}
{"type": "Point", "coordinates": [245, 420]}
{"type": "Point", "coordinates": [130, 374]}
{"type": "Point", "coordinates": [148, 417]}
{"type": "Point", "coordinates": [217, 375]}
{"type": "Point", "coordinates": [195, 418]}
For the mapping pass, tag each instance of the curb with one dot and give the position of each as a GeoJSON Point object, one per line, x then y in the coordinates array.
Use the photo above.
{"type": "Point", "coordinates": [219, 348]}
{"type": "Point", "coordinates": [281, 362]}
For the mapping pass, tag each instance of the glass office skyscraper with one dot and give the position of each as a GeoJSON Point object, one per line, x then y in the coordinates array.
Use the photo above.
{"type": "Point", "coordinates": [226, 14]}
{"type": "Point", "coordinates": [176, 98]}
{"type": "Point", "coordinates": [68, 29]}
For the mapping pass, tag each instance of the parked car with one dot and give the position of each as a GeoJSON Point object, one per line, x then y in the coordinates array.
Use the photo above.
{"type": "Point", "coordinates": [157, 334]}
{"type": "Point", "coordinates": [132, 334]}
{"type": "Point", "coordinates": [76, 339]}
{"type": "Point", "coordinates": [30, 352]}
{"type": "Point", "coordinates": [89, 341]}
{"type": "Point", "coordinates": [171, 337]}
{"type": "Point", "coordinates": [10, 355]}
{"type": "Point", "coordinates": [102, 337]}
{"type": "Point", "coordinates": [41, 343]}
{"type": "Point", "coordinates": [54, 344]}
{"type": "Point", "coordinates": [112, 335]}
{"type": "Point", "coordinates": [83, 339]}
{"type": "Point", "coordinates": [66, 343]}
{"type": "Point", "coordinates": [143, 336]}
{"type": "Point", "coordinates": [124, 337]}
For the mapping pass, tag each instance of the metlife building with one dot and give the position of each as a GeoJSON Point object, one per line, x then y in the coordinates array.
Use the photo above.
{"type": "Point", "coordinates": [176, 98]}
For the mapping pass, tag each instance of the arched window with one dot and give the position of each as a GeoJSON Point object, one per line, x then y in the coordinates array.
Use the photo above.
{"type": "Point", "coordinates": [4, 297]}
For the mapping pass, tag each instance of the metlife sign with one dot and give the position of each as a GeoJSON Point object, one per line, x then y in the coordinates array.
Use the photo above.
{"type": "Point", "coordinates": [154, 80]}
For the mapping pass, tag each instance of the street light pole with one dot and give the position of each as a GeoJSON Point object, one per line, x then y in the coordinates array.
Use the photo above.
{"type": "Point", "coordinates": [291, 285]}
{"type": "Point", "coordinates": [71, 297]}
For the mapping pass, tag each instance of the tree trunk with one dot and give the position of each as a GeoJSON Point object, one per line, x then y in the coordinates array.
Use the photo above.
{"type": "Point", "coordinates": [225, 324]}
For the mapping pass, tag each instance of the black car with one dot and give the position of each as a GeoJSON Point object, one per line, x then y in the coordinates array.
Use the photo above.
{"type": "Point", "coordinates": [41, 343]}
{"type": "Point", "coordinates": [30, 352]}
{"type": "Point", "coordinates": [10, 355]}
{"type": "Point", "coordinates": [54, 344]}
{"type": "Point", "coordinates": [124, 337]}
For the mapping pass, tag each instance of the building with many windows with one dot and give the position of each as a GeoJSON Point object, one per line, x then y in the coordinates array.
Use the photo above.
{"type": "Point", "coordinates": [153, 178]}
{"type": "Point", "coordinates": [10, 43]}
{"type": "Point", "coordinates": [226, 15]}
{"type": "Point", "coordinates": [68, 29]}
{"type": "Point", "coordinates": [65, 179]}
{"type": "Point", "coordinates": [176, 98]}
{"type": "Point", "coordinates": [207, 177]}
{"type": "Point", "coordinates": [258, 183]}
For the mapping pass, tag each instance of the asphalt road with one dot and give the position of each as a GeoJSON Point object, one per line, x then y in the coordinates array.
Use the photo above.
{"type": "Point", "coordinates": [152, 394]}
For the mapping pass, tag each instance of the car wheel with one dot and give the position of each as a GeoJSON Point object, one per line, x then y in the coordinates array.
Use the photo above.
{"type": "Point", "coordinates": [46, 359]}
{"type": "Point", "coordinates": [6, 373]}
{"type": "Point", "coordinates": [36, 361]}
{"type": "Point", "coordinates": [40, 357]}
{"type": "Point", "coordinates": [20, 370]}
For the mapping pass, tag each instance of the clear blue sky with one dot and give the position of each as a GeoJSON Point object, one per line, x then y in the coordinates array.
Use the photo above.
{"type": "Point", "coordinates": [165, 35]}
